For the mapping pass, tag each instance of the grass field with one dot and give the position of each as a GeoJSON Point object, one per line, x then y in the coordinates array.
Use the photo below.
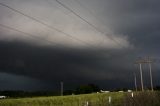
{"type": "Point", "coordinates": [74, 100]}
{"type": "Point", "coordinates": [101, 99]}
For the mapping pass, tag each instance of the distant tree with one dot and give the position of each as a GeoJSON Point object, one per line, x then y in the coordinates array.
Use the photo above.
{"type": "Point", "coordinates": [119, 89]}
{"type": "Point", "coordinates": [85, 89]}
{"type": "Point", "coordinates": [68, 92]}
{"type": "Point", "coordinates": [28, 94]}
{"type": "Point", "coordinates": [157, 88]}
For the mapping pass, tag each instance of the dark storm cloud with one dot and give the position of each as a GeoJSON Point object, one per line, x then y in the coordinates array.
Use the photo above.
{"type": "Point", "coordinates": [38, 61]}
{"type": "Point", "coordinates": [19, 82]}
{"type": "Point", "coordinates": [54, 65]}
{"type": "Point", "coordinates": [137, 19]}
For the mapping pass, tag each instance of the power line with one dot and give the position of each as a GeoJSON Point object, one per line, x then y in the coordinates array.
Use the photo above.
{"type": "Point", "coordinates": [83, 6]}
{"type": "Point", "coordinates": [51, 27]}
{"type": "Point", "coordinates": [39, 38]}
{"type": "Point", "coordinates": [41, 22]}
{"type": "Point", "coordinates": [31, 35]}
{"type": "Point", "coordinates": [76, 14]}
{"type": "Point", "coordinates": [97, 29]}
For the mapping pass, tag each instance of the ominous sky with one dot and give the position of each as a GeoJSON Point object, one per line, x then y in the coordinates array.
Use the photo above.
{"type": "Point", "coordinates": [44, 42]}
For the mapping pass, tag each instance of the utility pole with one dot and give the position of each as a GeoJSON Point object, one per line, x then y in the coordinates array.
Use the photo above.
{"type": "Point", "coordinates": [61, 88]}
{"type": "Point", "coordinates": [149, 62]}
{"type": "Point", "coordinates": [140, 65]}
{"type": "Point", "coordinates": [135, 81]}
{"type": "Point", "coordinates": [141, 73]}
{"type": "Point", "coordinates": [150, 72]}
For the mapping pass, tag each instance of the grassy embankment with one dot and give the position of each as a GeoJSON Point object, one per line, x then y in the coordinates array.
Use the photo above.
{"type": "Point", "coordinates": [118, 99]}
{"type": "Point", "coordinates": [74, 100]}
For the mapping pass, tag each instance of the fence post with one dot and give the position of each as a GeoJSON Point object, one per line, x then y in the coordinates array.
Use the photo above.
{"type": "Point", "coordinates": [110, 100]}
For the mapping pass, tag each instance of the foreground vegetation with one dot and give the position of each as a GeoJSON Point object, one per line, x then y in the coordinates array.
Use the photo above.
{"type": "Point", "coordinates": [101, 99]}
{"type": "Point", "coordinates": [147, 98]}
{"type": "Point", "coordinates": [74, 100]}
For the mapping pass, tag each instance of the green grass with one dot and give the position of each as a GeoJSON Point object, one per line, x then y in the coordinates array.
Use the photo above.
{"type": "Point", "coordinates": [146, 98]}
{"type": "Point", "coordinates": [74, 100]}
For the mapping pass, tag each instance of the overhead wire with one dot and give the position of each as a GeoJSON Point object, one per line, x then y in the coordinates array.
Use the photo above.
{"type": "Point", "coordinates": [91, 13]}
{"type": "Point", "coordinates": [51, 27]}
{"type": "Point", "coordinates": [41, 39]}
{"type": "Point", "coordinates": [41, 22]}
{"type": "Point", "coordinates": [25, 33]}
{"type": "Point", "coordinates": [83, 19]}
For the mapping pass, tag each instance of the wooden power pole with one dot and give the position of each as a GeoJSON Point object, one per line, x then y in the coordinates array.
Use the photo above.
{"type": "Point", "coordinates": [141, 73]}
{"type": "Point", "coordinates": [149, 62]}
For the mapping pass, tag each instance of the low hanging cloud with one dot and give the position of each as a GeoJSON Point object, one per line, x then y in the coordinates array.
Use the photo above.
{"type": "Point", "coordinates": [51, 64]}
